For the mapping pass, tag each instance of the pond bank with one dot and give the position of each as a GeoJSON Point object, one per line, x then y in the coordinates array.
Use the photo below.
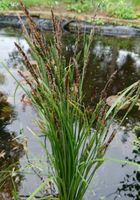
{"type": "Point", "coordinates": [90, 17]}
{"type": "Point", "coordinates": [73, 25]}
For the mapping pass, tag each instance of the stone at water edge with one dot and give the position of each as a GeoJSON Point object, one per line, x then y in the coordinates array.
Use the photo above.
{"type": "Point", "coordinates": [112, 99]}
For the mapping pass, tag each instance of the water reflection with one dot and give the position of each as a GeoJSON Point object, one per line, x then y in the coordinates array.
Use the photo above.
{"type": "Point", "coordinates": [129, 187]}
{"type": "Point", "coordinates": [108, 55]}
{"type": "Point", "coordinates": [104, 61]}
{"type": "Point", "coordinates": [23, 115]}
{"type": "Point", "coordinates": [10, 152]}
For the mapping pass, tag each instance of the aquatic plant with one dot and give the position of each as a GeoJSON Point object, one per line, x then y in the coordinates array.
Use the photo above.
{"type": "Point", "coordinates": [78, 135]}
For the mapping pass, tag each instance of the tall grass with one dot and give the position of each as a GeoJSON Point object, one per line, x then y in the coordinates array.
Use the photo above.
{"type": "Point", "coordinates": [78, 136]}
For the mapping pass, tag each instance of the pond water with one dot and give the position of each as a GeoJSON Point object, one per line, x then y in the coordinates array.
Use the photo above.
{"type": "Point", "coordinates": [113, 180]}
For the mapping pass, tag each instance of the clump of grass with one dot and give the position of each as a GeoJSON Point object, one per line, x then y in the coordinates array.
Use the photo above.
{"type": "Point", "coordinates": [6, 4]}
{"type": "Point", "coordinates": [78, 136]}
{"type": "Point", "coordinates": [80, 6]}
{"type": "Point", "coordinates": [121, 9]}
{"type": "Point", "coordinates": [123, 12]}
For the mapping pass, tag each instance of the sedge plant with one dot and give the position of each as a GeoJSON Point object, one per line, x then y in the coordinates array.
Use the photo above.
{"type": "Point", "coordinates": [78, 136]}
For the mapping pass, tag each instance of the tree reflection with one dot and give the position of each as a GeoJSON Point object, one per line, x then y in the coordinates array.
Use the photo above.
{"type": "Point", "coordinates": [103, 62]}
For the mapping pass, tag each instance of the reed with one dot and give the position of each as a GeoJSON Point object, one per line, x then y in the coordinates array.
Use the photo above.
{"type": "Point", "coordinates": [78, 136]}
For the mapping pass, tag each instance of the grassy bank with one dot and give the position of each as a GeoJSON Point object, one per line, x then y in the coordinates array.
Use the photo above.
{"type": "Point", "coordinates": [121, 9]}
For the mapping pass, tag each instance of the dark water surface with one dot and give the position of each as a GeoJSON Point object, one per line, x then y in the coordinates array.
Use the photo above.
{"type": "Point", "coordinates": [113, 180]}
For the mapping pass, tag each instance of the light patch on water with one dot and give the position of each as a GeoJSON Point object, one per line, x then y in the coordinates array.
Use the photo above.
{"type": "Point", "coordinates": [123, 55]}
{"type": "Point", "coordinates": [101, 51]}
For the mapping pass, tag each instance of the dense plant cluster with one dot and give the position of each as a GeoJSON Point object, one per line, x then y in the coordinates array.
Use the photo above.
{"type": "Point", "coordinates": [78, 135]}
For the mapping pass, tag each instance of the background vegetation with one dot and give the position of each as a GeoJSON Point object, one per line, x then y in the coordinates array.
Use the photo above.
{"type": "Point", "coordinates": [121, 8]}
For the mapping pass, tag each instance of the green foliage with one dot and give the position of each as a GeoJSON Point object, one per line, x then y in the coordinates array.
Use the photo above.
{"type": "Point", "coordinates": [99, 21]}
{"type": "Point", "coordinates": [14, 4]}
{"type": "Point", "coordinates": [136, 2]}
{"type": "Point", "coordinates": [121, 9]}
{"type": "Point", "coordinates": [30, 3]}
{"type": "Point", "coordinates": [5, 4]}
{"type": "Point", "coordinates": [79, 6]}
{"type": "Point", "coordinates": [123, 12]}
